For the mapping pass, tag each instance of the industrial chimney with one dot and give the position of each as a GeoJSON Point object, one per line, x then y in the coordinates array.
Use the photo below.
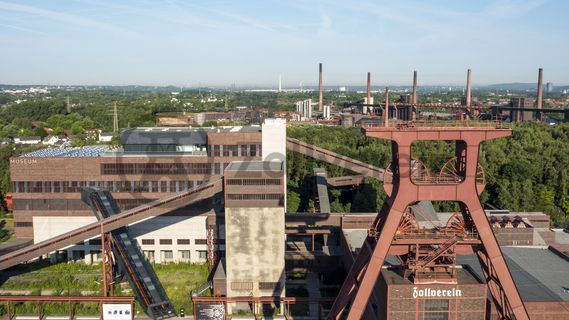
{"type": "Point", "coordinates": [320, 102]}
{"type": "Point", "coordinates": [386, 111]}
{"type": "Point", "coordinates": [468, 88]}
{"type": "Point", "coordinates": [414, 98]}
{"type": "Point", "coordinates": [540, 88]}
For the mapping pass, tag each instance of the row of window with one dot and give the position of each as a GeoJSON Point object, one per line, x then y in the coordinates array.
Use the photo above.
{"type": "Point", "coordinates": [255, 196]}
{"type": "Point", "coordinates": [152, 242]}
{"type": "Point", "coordinates": [253, 182]}
{"type": "Point", "coordinates": [69, 204]}
{"type": "Point", "coordinates": [242, 150]}
{"type": "Point", "coordinates": [162, 168]}
{"type": "Point", "coordinates": [113, 186]}
{"type": "Point", "coordinates": [23, 224]}
{"type": "Point", "coordinates": [169, 241]}
{"type": "Point", "coordinates": [50, 204]}
{"type": "Point", "coordinates": [168, 255]}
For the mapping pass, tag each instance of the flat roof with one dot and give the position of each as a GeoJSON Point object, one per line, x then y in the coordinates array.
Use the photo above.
{"type": "Point", "coordinates": [189, 129]}
{"type": "Point", "coordinates": [255, 166]}
{"type": "Point", "coordinates": [178, 135]}
{"type": "Point", "coordinates": [539, 273]}
{"type": "Point", "coordinates": [73, 152]}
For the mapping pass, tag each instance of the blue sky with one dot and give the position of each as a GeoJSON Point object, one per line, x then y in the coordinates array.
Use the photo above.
{"type": "Point", "coordinates": [217, 43]}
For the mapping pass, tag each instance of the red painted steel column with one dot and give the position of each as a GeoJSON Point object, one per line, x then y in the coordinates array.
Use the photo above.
{"type": "Point", "coordinates": [104, 262]}
{"type": "Point", "coordinates": [397, 203]}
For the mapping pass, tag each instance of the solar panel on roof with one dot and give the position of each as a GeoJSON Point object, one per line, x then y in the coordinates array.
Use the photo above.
{"type": "Point", "coordinates": [89, 151]}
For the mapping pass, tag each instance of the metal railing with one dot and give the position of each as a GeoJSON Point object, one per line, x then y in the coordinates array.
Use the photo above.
{"type": "Point", "coordinates": [441, 123]}
{"type": "Point", "coordinates": [434, 235]}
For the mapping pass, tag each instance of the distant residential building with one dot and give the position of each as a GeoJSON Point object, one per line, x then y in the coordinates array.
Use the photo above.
{"type": "Point", "coordinates": [27, 140]}
{"type": "Point", "coordinates": [92, 134]}
{"type": "Point", "coordinates": [243, 114]}
{"type": "Point", "coordinates": [549, 87]}
{"type": "Point", "coordinates": [54, 140]}
{"type": "Point", "coordinates": [6, 141]}
{"type": "Point", "coordinates": [106, 136]}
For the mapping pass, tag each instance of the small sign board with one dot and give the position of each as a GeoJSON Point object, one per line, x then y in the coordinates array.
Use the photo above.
{"type": "Point", "coordinates": [117, 311]}
{"type": "Point", "coordinates": [210, 311]}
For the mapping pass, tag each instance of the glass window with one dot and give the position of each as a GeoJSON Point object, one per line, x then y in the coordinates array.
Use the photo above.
{"type": "Point", "coordinates": [149, 254]}
{"type": "Point", "coordinates": [202, 254]}
{"type": "Point", "coordinates": [98, 255]}
{"type": "Point", "coordinates": [184, 255]}
{"type": "Point", "coordinates": [167, 255]}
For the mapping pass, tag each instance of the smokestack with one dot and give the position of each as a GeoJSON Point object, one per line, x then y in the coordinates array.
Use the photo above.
{"type": "Point", "coordinates": [320, 103]}
{"type": "Point", "coordinates": [468, 88]}
{"type": "Point", "coordinates": [539, 88]}
{"type": "Point", "coordinates": [369, 88]}
{"type": "Point", "coordinates": [414, 98]}
{"type": "Point", "coordinates": [386, 113]}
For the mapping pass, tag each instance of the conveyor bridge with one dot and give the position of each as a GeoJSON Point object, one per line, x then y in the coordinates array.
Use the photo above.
{"type": "Point", "coordinates": [130, 258]}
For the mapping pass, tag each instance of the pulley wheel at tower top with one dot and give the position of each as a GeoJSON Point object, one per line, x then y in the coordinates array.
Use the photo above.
{"type": "Point", "coordinates": [408, 224]}
{"type": "Point", "coordinates": [449, 173]}
{"type": "Point", "coordinates": [457, 225]}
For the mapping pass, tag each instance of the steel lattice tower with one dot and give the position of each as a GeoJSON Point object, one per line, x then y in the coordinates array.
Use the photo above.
{"type": "Point", "coordinates": [408, 185]}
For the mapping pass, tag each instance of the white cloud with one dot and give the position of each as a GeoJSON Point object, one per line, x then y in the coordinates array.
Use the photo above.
{"type": "Point", "coordinates": [62, 17]}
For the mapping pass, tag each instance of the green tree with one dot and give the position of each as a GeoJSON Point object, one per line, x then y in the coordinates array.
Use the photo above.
{"type": "Point", "coordinates": [292, 201]}
{"type": "Point", "coordinates": [77, 128]}
{"type": "Point", "coordinates": [40, 132]}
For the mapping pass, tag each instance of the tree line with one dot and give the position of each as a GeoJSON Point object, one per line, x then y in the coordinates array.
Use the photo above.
{"type": "Point", "coordinates": [525, 172]}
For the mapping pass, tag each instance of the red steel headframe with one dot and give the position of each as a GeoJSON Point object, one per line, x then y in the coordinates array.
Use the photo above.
{"type": "Point", "coordinates": [364, 273]}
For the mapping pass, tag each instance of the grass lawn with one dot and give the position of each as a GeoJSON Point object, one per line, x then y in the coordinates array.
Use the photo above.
{"type": "Point", "coordinates": [179, 279]}
{"type": "Point", "coordinates": [71, 278]}
{"type": "Point", "coordinates": [63, 278]}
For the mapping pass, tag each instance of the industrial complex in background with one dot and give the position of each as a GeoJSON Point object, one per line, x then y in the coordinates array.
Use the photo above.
{"type": "Point", "coordinates": [217, 195]}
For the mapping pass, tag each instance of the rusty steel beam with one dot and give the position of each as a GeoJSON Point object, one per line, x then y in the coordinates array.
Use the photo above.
{"type": "Point", "coordinates": [115, 299]}
{"type": "Point", "coordinates": [334, 158]}
{"type": "Point", "coordinates": [154, 208]}
{"type": "Point", "coordinates": [345, 181]}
